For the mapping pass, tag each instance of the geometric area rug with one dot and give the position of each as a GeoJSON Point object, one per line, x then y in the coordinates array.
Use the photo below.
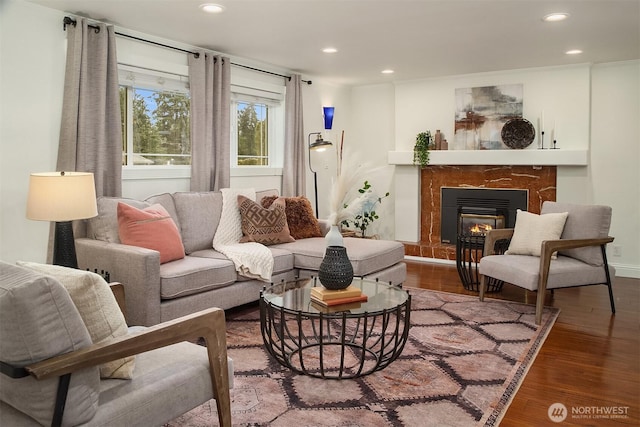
{"type": "Point", "coordinates": [462, 365]}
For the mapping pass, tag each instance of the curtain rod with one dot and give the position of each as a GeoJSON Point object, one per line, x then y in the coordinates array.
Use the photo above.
{"type": "Point", "coordinates": [70, 21]}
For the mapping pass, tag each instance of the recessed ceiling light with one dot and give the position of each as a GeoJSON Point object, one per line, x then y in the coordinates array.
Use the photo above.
{"type": "Point", "coordinates": [573, 52]}
{"type": "Point", "coordinates": [329, 50]}
{"type": "Point", "coordinates": [211, 8]}
{"type": "Point", "coordinates": [555, 17]}
{"type": "Point", "coordinates": [387, 71]}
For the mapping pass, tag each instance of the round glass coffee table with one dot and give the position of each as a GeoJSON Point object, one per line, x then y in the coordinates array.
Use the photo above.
{"type": "Point", "coordinates": [334, 343]}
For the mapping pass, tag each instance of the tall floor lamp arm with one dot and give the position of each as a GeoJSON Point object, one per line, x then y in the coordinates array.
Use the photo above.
{"type": "Point", "coordinates": [315, 175]}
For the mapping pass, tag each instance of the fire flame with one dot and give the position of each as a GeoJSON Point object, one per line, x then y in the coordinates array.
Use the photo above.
{"type": "Point", "coordinates": [480, 228]}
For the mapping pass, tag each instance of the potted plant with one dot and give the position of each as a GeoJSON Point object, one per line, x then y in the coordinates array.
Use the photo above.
{"type": "Point", "coordinates": [366, 213]}
{"type": "Point", "coordinates": [421, 149]}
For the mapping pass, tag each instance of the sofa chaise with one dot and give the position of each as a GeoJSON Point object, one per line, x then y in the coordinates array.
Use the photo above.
{"type": "Point", "coordinates": [157, 292]}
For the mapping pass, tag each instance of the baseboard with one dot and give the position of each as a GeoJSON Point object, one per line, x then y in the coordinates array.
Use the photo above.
{"type": "Point", "coordinates": [627, 270]}
{"type": "Point", "coordinates": [622, 270]}
{"type": "Point", "coordinates": [430, 260]}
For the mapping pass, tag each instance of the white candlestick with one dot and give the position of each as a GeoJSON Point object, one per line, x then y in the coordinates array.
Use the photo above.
{"type": "Point", "coordinates": [542, 121]}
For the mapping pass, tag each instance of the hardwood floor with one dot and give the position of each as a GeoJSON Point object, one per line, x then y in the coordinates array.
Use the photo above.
{"type": "Point", "coordinates": [590, 360]}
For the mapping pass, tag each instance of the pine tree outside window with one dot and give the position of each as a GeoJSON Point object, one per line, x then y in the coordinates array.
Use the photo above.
{"type": "Point", "coordinates": [155, 120]}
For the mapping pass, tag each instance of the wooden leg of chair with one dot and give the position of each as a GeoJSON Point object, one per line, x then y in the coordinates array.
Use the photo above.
{"type": "Point", "coordinates": [217, 350]}
{"type": "Point", "coordinates": [483, 286]}
{"type": "Point", "coordinates": [539, 306]}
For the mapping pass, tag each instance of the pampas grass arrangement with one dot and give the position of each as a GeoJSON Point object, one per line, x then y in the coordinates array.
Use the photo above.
{"type": "Point", "coordinates": [346, 201]}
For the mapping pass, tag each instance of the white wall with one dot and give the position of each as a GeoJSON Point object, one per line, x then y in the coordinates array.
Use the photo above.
{"type": "Point", "coordinates": [315, 96]}
{"type": "Point", "coordinates": [372, 137]}
{"type": "Point", "coordinates": [32, 53]}
{"type": "Point", "coordinates": [614, 172]}
{"type": "Point", "coordinates": [595, 108]}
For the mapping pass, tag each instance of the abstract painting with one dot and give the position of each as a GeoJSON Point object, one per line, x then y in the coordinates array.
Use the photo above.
{"type": "Point", "coordinates": [480, 114]}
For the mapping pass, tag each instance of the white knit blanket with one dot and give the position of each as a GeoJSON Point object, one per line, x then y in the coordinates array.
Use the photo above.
{"type": "Point", "coordinates": [251, 259]}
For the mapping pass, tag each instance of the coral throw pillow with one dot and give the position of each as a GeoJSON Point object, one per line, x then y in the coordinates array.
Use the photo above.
{"type": "Point", "coordinates": [531, 230]}
{"type": "Point", "coordinates": [300, 217]}
{"type": "Point", "coordinates": [151, 228]}
{"type": "Point", "coordinates": [263, 225]}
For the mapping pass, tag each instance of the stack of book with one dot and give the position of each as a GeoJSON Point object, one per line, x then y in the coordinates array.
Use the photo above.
{"type": "Point", "coordinates": [342, 299]}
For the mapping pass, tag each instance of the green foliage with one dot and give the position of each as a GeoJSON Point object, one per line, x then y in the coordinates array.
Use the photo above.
{"type": "Point", "coordinates": [164, 130]}
{"type": "Point", "coordinates": [172, 122]}
{"type": "Point", "coordinates": [252, 134]}
{"type": "Point", "coordinates": [367, 215]}
{"type": "Point", "coordinates": [421, 149]}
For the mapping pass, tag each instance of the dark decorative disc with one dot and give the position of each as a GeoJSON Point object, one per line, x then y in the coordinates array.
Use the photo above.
{"type": "Point", "coordinates": [518, 133]}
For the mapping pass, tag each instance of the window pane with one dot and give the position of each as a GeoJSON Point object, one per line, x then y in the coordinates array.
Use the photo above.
{"type": "Point", "coordinates": [161, 129]}
{"type": "Point", "coordinates": [253, 134]}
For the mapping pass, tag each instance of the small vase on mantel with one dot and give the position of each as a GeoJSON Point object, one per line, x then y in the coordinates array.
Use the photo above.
{"type": "Point", "coordinates": [334, 236]}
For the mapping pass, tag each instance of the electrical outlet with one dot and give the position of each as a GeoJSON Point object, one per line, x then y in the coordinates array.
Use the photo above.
{"type": "Point", "coordinates": [617, 250]}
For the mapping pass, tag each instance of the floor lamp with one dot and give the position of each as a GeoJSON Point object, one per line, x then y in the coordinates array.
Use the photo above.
{"type": "Point", "coordinates": [62, 197]}
{"type": "Point", "coordinates": [318, 145]}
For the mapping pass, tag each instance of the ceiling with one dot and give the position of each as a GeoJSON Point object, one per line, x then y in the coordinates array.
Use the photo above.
{"type": "Point", "coordinates": [416, 38]}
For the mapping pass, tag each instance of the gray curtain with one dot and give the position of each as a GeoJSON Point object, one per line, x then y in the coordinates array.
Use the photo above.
{"type": "Point", "coordinates": [294, 168]}
{"type": "Point", "coordinates": [210, 87]}
{"type": "Point", "coordinates": [91, 130]}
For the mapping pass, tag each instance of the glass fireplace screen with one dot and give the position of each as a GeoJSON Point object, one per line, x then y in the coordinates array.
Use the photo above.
{"type": "Point", "coordinates": [478, 225]}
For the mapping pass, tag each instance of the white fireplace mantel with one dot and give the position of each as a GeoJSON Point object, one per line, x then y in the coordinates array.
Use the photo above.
{"type": "Point", "coordinates": [534, 157]}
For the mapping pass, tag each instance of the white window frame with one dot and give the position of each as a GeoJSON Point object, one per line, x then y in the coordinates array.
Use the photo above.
{"type": "Point", "coordinates": [249, 90]}
{"type": "Point", "coordinates": [132, 76]}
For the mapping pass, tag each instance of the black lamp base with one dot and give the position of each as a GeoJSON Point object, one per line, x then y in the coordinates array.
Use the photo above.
{"type": "Point", "coordinates": [64, 245]}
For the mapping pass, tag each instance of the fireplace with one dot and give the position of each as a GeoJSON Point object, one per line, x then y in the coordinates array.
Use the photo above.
{"type": "Point", "coordinates": [468, 214]}
{"type": "Point", "coordinates": [540, 182]}
{"type": "Point", "coordinates": [474, 211]}
{"type": "Point", "coordinates": [479, 221]}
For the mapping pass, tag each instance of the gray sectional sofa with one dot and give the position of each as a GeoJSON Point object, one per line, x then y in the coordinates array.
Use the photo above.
{"type": "Point", "coordinates": [205, 278]}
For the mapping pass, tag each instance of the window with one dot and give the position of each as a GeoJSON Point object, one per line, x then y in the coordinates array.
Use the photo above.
{"type": "Point", "coordinates": [257, 128]}
{"type": "Point", "coordinates": [155, 119]}
{"type": "Point", "coordinates": [253, 133]}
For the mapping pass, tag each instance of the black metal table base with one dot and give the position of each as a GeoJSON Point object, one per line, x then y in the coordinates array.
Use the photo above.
{"type": "Point", "coordinates": [334, 345]}
{"type": "Point", "coordinates": [469, 250]}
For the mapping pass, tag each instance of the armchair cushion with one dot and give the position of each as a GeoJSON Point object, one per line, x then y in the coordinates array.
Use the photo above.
{"type": "Point", "coordinates": [38, 320]}
{"type": "Point", "coordinates": [583, 222]}
{"type": "Point", "coordinates": [98, 309]}
{"type": "Point", "coordinates": [531, 230]}
{"type": "Point", "coordinates": [524, 271]}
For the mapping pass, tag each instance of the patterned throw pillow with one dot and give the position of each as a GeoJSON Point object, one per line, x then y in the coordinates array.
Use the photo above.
{"type": "Point", "coordinates": [150, 228]}
{"type": "Point", "coordinates": [300, 217]}
{"type": "Point", "coordinates": [263, 225]}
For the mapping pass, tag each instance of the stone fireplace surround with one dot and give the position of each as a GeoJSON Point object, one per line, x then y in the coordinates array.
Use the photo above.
{"type": "Point", "coordinates": [539, 180]}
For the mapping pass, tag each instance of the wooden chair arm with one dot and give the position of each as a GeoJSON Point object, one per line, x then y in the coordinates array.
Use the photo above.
{"type": "Point", "coordinates": [493, 236]}
{"type": "Point", "coordinates": [207, 323]}
{"type": "Point", "coordinates": [558, 245]}
{"type": "Point", "coordinates": [117, 289]}
{"type": "Point", "coordinates": [548, 247]}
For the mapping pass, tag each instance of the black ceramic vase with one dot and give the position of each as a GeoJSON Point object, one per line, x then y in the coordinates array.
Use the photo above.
{"type": "Point", "coordinates": [336, 271]}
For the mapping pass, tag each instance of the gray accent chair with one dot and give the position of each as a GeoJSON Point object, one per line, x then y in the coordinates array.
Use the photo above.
{"type": "Point", "coordinates": [581, 255]}
{"type": "Point", "coordinates": [50, 370]}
